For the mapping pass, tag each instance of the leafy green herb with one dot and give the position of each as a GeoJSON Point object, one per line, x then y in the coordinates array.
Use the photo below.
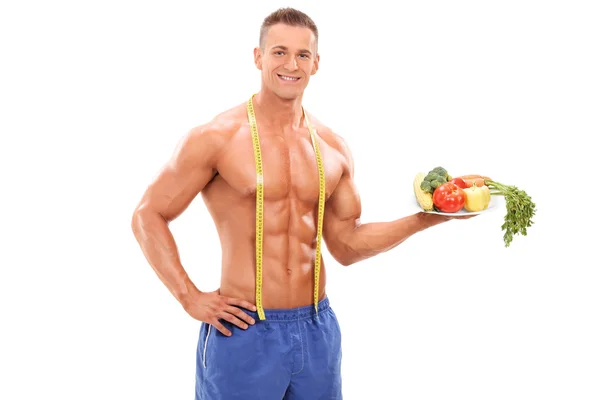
{"type": "Point", "coordinates": [520, 210]}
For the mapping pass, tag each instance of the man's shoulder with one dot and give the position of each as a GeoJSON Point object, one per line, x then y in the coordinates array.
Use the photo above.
{"type": "Point", "coordinates": [223, 126]}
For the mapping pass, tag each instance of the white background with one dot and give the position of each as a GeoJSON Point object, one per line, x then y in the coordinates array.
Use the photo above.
{"type": "Point", "coordinates": [95, 95]}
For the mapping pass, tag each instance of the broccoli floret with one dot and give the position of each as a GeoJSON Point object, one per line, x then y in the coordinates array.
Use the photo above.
{"type": "Point", "coordinates": [441, 172]}
{"type": "Point", "coordinates": [426, 186]}
{"type": "Point", "coordinates": [436, 183]}
{"type": "Point", "coordinates": [431, 176]}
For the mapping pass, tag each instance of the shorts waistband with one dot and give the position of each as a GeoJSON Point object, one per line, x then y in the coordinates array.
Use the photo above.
{"type": "Point", "coordinates": [292, 314]}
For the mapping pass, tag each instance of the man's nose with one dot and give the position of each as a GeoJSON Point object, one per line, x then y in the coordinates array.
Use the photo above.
{"type": "Point", "coordinates": [291, 64]}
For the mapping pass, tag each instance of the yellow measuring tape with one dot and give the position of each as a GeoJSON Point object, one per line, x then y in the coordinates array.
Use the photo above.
{"type": "Point", "coordinates": [260, 208]}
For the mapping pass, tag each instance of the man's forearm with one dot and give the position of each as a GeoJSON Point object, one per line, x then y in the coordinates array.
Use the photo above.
{"type": "Point", "coordinates": [158, 245]}
{"type": "Point", "coordinates": [370, 239]}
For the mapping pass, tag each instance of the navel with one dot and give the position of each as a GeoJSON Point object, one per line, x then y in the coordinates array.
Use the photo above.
{"type": "Point", "coordinates": [289, 271]}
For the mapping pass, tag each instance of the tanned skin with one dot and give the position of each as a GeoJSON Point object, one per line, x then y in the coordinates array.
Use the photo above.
{"type": "Point", "coordinates": [216, 160]}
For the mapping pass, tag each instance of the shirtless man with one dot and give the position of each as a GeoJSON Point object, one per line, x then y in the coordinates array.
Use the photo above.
{"type": "Point", "coordinates": [295, 351]}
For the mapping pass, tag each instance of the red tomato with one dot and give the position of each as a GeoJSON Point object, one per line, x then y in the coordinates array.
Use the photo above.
{"type": "Point", "coordinates": [449, 197]}
{"type": "Point", "coordinates": [460, 182]}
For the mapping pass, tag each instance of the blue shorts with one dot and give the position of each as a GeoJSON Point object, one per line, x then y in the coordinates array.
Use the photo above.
{"type": "Point", "coordinates": [292, 355]}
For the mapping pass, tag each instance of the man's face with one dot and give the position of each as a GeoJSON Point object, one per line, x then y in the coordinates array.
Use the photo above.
{"type": "Point", "coordinates": [287, 60]}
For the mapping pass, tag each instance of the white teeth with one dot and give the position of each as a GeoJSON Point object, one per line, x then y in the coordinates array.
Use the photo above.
{"type": "Point", "coordinates": [288, 78]}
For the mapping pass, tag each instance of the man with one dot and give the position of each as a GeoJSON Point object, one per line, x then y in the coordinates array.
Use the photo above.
{"type": "Point", "coordinates": [269, 331]}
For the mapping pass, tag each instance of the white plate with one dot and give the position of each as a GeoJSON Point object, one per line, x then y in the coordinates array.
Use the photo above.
{"type": "Point", "coordinates": [495, 203]}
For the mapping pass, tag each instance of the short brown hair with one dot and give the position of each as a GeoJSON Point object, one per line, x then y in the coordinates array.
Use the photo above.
{"type": "Point", "coordinates": [289, 16]}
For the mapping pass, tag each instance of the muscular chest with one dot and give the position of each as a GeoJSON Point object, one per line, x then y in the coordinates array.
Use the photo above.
{"type": "Point", "coordinates": [289, 166]}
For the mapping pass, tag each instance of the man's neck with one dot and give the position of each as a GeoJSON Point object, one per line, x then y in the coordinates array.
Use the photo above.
{"type": "Point", "coordinates": [282, 113]}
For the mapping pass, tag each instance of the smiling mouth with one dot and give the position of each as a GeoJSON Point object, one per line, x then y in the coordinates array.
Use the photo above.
{"type": "Point", "coordinates": [288, 78]}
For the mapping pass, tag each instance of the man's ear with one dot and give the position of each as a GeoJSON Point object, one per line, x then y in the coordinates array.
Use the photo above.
{"type": "Point", "coordinates": [258, 57]}
{"type": "Point", "coordinates": [315, 67]}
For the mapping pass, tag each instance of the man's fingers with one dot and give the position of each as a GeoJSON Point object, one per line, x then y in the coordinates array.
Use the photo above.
{"type": "Point", "coordinates": [240, 314]}
{"type": "Point", "coordinates": [233, 319]}
{"type": "Point", "coordinates": [221, 328]}
{"type": "Point", "coordinates": [241, 303]}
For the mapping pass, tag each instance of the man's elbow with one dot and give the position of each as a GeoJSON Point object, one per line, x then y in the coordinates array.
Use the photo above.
{"type": "Point", "coordinates": [350, 259]}
{"type": "Point", "coordinates": [136, 221]}
{"type": "Point", "coordinates": [346, 262]}
{"type": "Point", "coordinates": [344, 255]}
{"type": "Point", "coordinates": [141, 217]}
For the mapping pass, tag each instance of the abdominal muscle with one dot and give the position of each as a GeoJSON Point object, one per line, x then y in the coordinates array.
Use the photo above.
{"type": "Point", "coordinates": [289, 242]}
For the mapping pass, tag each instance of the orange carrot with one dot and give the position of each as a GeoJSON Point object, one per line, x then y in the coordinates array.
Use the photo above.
{"type": "Point", "coordinates": [470, 181]}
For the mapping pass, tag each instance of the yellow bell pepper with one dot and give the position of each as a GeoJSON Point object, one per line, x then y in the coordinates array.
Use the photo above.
{"type": "Point", "coordinates": [477, 198]}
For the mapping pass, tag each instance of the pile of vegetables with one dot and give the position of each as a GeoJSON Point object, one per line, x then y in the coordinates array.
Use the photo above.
{"type": "Point", "coordinates": [438, 191]}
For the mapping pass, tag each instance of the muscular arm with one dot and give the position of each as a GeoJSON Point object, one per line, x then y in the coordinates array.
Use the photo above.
{"type": "Point", "coordinates": [347, 239]}
{"type": "Point", "coordinates": [191, 167]}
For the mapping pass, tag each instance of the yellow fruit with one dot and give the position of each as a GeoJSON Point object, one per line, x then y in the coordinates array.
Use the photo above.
{"type": "Point", "coordinates": [477, 198]}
